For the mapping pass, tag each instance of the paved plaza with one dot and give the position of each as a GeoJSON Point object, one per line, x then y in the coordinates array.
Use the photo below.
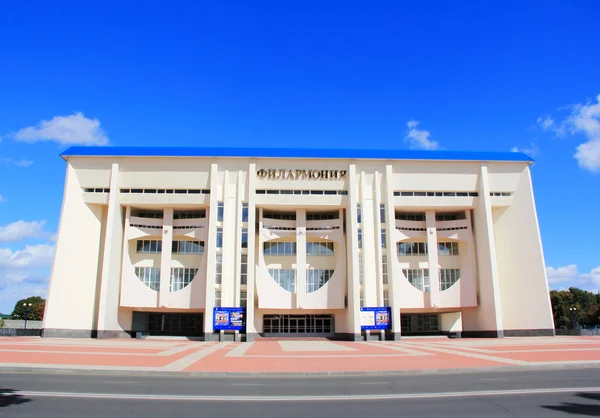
{"type": "Point", "coordinates": [291, 356]}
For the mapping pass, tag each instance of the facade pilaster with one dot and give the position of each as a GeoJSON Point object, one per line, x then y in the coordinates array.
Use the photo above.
{"type": "Point", "coordinates": [211, 250]}
{"type": "Point", "coordinates": [165, 258]}
{"type": "Point", "coordinates": [353, 291]}
{"type": "Point", "coordinates": [300, 257]}
{"type": "Point", "coordinates": [251, 287]}
{"type": "Point", "coordinates": [108, 306]}
{"type": "Point", "coordinates": [432, 258]}
{"type": "Point", "coordinates": [390, 250]}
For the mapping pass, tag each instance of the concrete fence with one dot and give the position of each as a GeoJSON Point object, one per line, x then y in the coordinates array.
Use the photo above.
{"type": "Point", "coordinates": [582, 332]}
{"type": "Point", "coordinates": [20, 324]}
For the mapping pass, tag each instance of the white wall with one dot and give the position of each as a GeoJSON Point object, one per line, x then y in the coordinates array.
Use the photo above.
{"type": "Point", "coordinates": [72, 291]}
{"type": "Point", "coordinates": [497, 256]}
{"type": "Point", "coordinates": [523, 282]}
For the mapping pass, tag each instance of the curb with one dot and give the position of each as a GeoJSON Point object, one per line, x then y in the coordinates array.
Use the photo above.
{"type": "Point", "coordinates": [158, 373]}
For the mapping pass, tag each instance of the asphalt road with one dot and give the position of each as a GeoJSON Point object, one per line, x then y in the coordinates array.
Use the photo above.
{"type": "Point", "coordinates": [541, 393]}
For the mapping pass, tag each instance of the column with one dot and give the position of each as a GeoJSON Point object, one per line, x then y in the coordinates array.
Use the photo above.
{"type": "Point", "coordinates": [230, 230]}
{"type": "Point", "coordinates": [432, 258]}
{"type": "Point", "coordinates": [108, 306]}
{"type": "Point", "coordinates": [300, 258]}
{"type": "Point", "coordinates": [211, 254]}
{"type": "Point", "coordinates": [368, 241]}
{"type": "Point", "coordinates": [353, 314]}
{"type": "Point", "coordinates": [378, 243]}
{"type": "Point", "coordinates": [165, 258]}
{"type": "Point", "coordinates": [238, 240]}
{"type": "Point", "coordinates": [393, 269]}
{"type": "Point", "coordinates": [487, 319]}
{"type": "Point", "coordinates": [250, 288]}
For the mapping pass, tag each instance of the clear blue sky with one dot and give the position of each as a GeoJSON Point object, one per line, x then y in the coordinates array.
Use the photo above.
{"type": "Point", "coordinates": [476, 75]}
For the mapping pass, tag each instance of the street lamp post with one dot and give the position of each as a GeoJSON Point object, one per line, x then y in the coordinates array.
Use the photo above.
{"type": "Point", "coordinates": [573, 320]}
{"type": "Point", "coordinates": [27, 306]}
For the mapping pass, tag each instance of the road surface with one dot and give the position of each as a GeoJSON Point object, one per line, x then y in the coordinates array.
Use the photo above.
{"type": "Point", "coordinates": [540, 393]}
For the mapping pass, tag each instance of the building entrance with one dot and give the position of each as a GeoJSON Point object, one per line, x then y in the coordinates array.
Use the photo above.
{"type": "Point", "coordinates": [169, 324]}
{"type": "Point", "coordinates": [298, 326]}
{"type": "Point", "coordinates": [419, 324]}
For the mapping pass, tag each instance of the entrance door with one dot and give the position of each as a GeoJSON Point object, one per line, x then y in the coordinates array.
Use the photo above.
{"type": "Point", "coordinates": [172, 324]}
{"type": "Point", "coordinates": [420, 324]}
{"type": "Point", "coordinates": [298, 326]}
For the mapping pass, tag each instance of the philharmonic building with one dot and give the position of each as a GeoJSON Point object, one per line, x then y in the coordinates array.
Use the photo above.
{"type": "Point", "coordinates": [246, 243]}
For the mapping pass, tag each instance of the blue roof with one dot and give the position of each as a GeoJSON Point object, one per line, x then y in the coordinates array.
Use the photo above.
{"type": "Point", "coordinates": [365, 154]}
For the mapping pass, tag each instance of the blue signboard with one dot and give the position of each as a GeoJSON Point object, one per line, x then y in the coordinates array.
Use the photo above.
{"type": "Point", "coordinates": [228, 319]}
{"type": "Point", "coordinates": [376, 318]}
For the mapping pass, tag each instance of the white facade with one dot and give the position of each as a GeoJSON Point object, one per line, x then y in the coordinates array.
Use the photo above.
{"type": "Point", "coordinates": [153, 243]}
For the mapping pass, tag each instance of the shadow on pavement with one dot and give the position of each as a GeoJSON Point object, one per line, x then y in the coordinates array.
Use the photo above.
{"type": "Point", "coordinates": [586, 409]}
{"type": "Point", "coordinates": [8, 397]}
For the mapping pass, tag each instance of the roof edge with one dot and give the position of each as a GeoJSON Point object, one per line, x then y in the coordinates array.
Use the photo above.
{"type": "Point", "coordinates": [295, 153]}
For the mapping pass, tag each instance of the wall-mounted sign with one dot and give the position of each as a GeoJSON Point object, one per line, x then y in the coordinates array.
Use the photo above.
{"type": "Point", "coordinates": [228, 319]}
{"type": "Point", "coordinates": [285, 174]}
{"type": "Point", "coordinates": [376, 318]}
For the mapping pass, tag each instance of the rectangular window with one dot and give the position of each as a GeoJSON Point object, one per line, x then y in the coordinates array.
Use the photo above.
{"type": "Point", "coordinates": [322, 216]}
{"type": "Point", "coordinates": [382, 213]}
{"type": "Point", "coordinates": [149, 246]}
{"type": "Point", "coordinates": [243, 298]}
{"type": "Point", "coordinates": [412, 248]}
{"type": "Point", "coordinates": [419, 278]}
{"type": "Point", "coordinates": [285, 216]}
{"type": "Point", "coordinates": [181, 277]}
{"type": "Point", "coordinates": [404, 216]}
{"type": "Point", "coordinates": [217, 298]}
{"type": "Point", "coordinates": [188, 247]}
{"type": "Point", "coordinates": [383, 238]}
{"type": "Point", "coordinates": [244, 270]}
{"type": "Point", "coordinates": [285, 278]}
{"type": "Point", "coordinates": [359, 238]}
{"type": "Point", "coordinates": [384, 269]}
{"type": "Point", "coordinates": [150, 276]}
{"type": "Point", "coordinates": [147, 214]}
{"type": "Point", "coordinates": [220, 209]}
{"type": "Point", "coordinates": [447, 248]}
{"type": "Point", "coordinates": [280, 248]}
{"type": "Point", "coordinates": [358, 214]}
{"type": "Point", "coordinates": [454, 216]}
{"type": "Point", "coordinates": [315, 279]}
{"type": "Point", "coordinates": [319, 249]}
{"type": "Point", "coordinates": [195, 214]}
{"type": "Point", "coordinates": [386, 298]}
{"type": "Point", "coordinates": [362, 299]}
{"type": "Point", "coordinates": [219, 238]}
{"type": "Point", "coordinates": [448, 277]}
{"type": "Point", "coordinates": [244, 237]}
{"type": "Point", "coordinates": [361, 276]}
{"type": "Point", "coordinates": [219, 268]}
{"type": "Point", "coordinates": [244, 212]}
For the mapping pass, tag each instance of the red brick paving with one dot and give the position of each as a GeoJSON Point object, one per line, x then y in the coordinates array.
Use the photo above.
{"type": "Point", "coordinates": [268, 355]}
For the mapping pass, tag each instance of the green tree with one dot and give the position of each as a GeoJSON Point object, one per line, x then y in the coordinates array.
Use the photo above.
{"type": "Point", "coordinates": [587, 305]}
{"type": "Point", "coordinates": [34, 314]}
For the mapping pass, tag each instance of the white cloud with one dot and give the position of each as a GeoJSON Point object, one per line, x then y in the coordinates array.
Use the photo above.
{"type": "Point", "coordinates": [19, 230]}
{"type": "Point", "coordinates": [32, 256]}
{"type": "Point", "coordinates": [531, 150]}
{"type": "Point", "coordinates": [419, 138]}
{"type": "Point", "coordinates": [584, 119]}
{"type": "Point", "coordinates": [569, 276]}
{"type": "Point", "coordinates": [74, 129]}
{"type": "Point", "coordinates": [18, 163]}
{"type": "Point", "coordinates": [546, 123]}
{"type": "Point", "coordinates": [2, 199]}
{"type": "Point", "coordinates": [24, 273]}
